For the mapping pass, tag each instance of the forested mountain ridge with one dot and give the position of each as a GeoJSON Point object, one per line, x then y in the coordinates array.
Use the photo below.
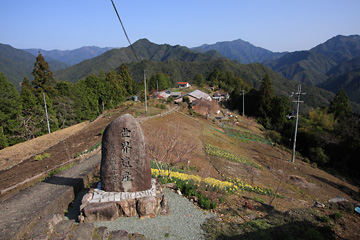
{"type": "Point", "coordinates": [303, 67]}
{"type": "Point", "coordinates": [240, 50]}
{"type": "Point", "coordinates": [16, 64]}
{"type": "Point", "coordinates": [340, 48]}
{"type": "Point", "coordinates": [70, 57]}
{"type": "Point", "coordinates": [330, 61]}
{"type": "Point", "coordinates": [144, 49]}
{"type": "Point", "coordinates": [350, 81]}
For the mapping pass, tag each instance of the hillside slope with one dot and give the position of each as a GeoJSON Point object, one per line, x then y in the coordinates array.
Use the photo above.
{"type": "Point", "coordinates": [228, 152]}
{"type": "Point", "coordinates": [301, 182]}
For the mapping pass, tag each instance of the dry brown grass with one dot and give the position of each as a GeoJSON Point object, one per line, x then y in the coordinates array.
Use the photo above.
{"type": "Point", "coordinates": [14, 155]}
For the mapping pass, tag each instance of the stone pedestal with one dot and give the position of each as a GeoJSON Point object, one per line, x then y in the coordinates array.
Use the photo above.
{"type": "Point", "coordinates": [99, 205]}
{"type": "Point", "coordinates": [127, 189]}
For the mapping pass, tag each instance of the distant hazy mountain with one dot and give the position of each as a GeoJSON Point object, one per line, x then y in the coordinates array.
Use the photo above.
{"type": "Point", "coordinates": [329, 65]}
{"type": "Point", "coordinates": [144, 49]}
{"type": "Point", "coordinates": [70, 57]}
{"type": "Point", "coordinates": [240, 50]}
{"type": "Point", "coordinates": [340, 48]}
{"type": "Point", "coordinates": [16, 64]}
{"type": "Point", "coordinates": [303, 67]}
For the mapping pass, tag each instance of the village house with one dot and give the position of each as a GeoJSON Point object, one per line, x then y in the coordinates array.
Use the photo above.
{"type": "Point", "coordinates": [183, 85]}
{"type": "Point", "coordinates": [174, 94]}
{"type": "Point", "coordinates": [194, 95]}
{"type": "Point", "coordinates": [167, 94]}
{"type": "Point", "coordinates": [221, 96]}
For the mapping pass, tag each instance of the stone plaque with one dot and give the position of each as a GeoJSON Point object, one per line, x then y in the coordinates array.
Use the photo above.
{"type": "Point", "coordinates": [124, 163]}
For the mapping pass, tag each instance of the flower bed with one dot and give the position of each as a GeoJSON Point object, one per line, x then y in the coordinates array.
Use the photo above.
{"type": "Point", "coordinates": [218, 152]}
{"type": "Point", "coordinates": [231, 185]}
{"type": "Point", "coordinates": [244, 135]}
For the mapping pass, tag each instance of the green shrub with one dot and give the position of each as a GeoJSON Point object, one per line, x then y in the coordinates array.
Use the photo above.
{"type": "Point", "coordinates": [273, 136]}
{"type": "Point", "coordinates": [314, 165]}
{"type": "Point", "coordinates": [161, 106]}
{"type": "Point", "coordinates": [324, 218]}
{"type": "Point", "coordinates": [38, 157]}
{"type": "Point", "coordinates": [313, 233]}
{"type": "Point", "coordinates": [336, 215]}
{"type": "Point", "coordinates": [42, 156]}
{"type": "Point", "coordinates": [204, 202]}
{"type": "Point", "coordinates": [186, 99]}
{"type": "Point", "coordinates": [317, 155]}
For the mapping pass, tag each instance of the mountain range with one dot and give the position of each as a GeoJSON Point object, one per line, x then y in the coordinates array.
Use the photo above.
{"type": "Point", "coordinates": [329, 65]}
{"type": "Point", "coordinates": [242, 51]}
{"type": "Point", "coordinates": [70, 57]}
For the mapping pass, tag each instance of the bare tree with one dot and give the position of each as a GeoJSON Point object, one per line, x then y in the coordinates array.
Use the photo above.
{"type": "Point", "coordinates": [167, 149]}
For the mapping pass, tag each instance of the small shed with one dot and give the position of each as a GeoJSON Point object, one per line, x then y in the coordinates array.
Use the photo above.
{"type": "Point", "coordinates": [183, 84]}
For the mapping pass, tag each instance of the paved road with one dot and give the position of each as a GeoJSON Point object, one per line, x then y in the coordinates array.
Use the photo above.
{"type": "Point", "coordinates": [22, 210]}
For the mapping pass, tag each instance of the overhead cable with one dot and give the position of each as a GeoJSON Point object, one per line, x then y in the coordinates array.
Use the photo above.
{"type": "Point", "coordinates": [122, 25]}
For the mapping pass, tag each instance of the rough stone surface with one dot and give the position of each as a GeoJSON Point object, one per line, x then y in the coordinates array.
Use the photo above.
{"type": "Point", "coordinates": [62, 230]}
{"type": "Point", "coordinates": [44, 227]}
{"type": "Point", "coordinates": [95, 212]}
{"type": "Point", "coordinates": [119, 235]}
{"type": "Point", "coordinates": [128, 207]}
{"type": "Point", "coordinates": [124, 164]}
{"type": "Point", "coordinates": [102, 233]}
{"type": "Point", "coordinates": [82, 231]}
{"type": "Point", "coordinates": [146, 207]}
{"type": "Point", "coordinates": [164, 206]}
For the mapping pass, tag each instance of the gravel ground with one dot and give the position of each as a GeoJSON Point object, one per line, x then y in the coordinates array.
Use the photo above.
{"type": "Point", "coordinates": [184, 221]}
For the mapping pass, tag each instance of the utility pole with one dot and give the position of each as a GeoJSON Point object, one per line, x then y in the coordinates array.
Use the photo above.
{"type": "Point", "coordinates": [298, 93]}
{"type": "Point", "coordinates": [47, 118]}
{"type": "Point", "coordinates": [243, 107]}
{"type": "Point", "coordinates": [145, 92]}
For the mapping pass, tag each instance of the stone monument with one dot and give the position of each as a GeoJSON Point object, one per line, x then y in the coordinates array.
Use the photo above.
{"type": "Point", "coordinates": [124, 167]}
{"type": "Point", "coordinates": [126, 188]}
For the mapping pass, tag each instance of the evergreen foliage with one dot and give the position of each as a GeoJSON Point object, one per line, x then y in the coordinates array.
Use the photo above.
{"type": "Point", "coordinates": [159, 81]}
{"type": "Point", "coordinates": [23, 117]}
{"type": "Point", "coordinates": [10, 108]}
{"type": "Point", "coordinates": [43, 77]}
{"type": "Point", "coordinates": [340, 106]}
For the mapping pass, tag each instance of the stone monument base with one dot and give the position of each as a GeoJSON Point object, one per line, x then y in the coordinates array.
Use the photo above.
{"type": "Point", "coordinates": [98, 205]}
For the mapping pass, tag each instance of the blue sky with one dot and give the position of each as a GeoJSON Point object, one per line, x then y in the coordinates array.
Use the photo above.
{"type": "Point", "coordinates": [277, 25]}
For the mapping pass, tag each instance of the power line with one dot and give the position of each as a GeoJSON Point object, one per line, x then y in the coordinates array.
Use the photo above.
{"type": "Point", "coordinates": [298, 93]}
{"type": "Point", "coordinates": [122, 25]}
{"type": "Point", "coordinates": [132, 49]}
